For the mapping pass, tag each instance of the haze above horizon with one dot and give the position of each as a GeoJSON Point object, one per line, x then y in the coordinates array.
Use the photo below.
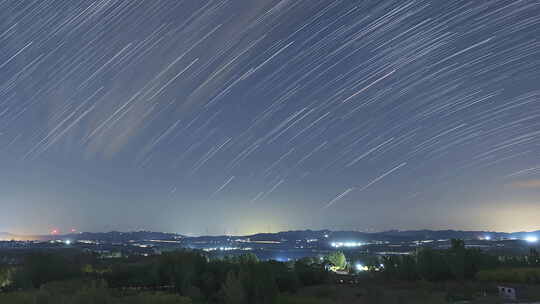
{"type": "Point", "coordinates": [249, 116]}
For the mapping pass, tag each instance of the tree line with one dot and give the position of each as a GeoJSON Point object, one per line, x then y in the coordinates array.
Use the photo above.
{"type": "Point", "coordinates": [189, 274]}
{"type": "Point", "coordinates": [192, 274]}
{"type": "Point", "coordinates": [456, 263]}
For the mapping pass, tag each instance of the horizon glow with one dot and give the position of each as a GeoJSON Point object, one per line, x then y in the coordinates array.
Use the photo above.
{"type": "Point", "coordinates": [341, 115]}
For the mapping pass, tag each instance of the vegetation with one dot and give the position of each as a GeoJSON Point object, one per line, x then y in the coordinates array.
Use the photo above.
{"type": "Point", "coordinates": [457, 263]}
{"type": "Point", "coordinates": [337, 259]}
{"type": "Point", "coordinates": [172, 277]}
{"type": "Point", "coordinates": [80, 292]}
{"type": "Point", "coordinates": [428, 276]}
{"type": "Point", "coordinates": [40, 268]}
{"type": "Point", "coordinates": [6, 276]}
{"type": "Point", "coordinates": [510, 275]}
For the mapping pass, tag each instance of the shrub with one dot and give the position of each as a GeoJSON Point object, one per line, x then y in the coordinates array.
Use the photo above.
{"type": "Point", "coordinates": [510, 275]}
{"type": "Point", "coordinates": [290, 299]}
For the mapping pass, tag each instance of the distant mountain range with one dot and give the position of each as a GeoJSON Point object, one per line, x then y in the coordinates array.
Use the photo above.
{"type": "Point", "coordinates": [111, 237]}
{"type": "Point", "coordinates": [392, 235]}
{"type": "Point", "coordinates": [118, 237]}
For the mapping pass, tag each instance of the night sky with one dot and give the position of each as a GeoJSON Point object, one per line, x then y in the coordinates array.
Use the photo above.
{"type": "Point", "coordinates": [211, 117]}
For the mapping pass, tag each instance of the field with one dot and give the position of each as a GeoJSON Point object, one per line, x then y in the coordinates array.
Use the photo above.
{"type": "Point", "coordinates": [399, 293]}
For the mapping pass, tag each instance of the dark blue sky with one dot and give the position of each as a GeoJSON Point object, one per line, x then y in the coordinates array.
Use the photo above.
{"type": "Point", "coordinates": [245, 116]}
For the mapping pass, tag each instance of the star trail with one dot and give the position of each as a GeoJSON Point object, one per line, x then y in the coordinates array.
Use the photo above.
{"type": "Point", "coordinates": [235, 116]}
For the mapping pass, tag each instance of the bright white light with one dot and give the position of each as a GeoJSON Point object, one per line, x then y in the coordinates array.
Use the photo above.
{"type": "Point", "coordinates": [487, 238]}
{"type": "Point", "coordinates": [346, 244]}
{"type": "Point", "coordinates": [360, 267]}
{"type": "Point", "coordinates": [531, 239]}
{"type": "Point", "coordinates": [67, 242]}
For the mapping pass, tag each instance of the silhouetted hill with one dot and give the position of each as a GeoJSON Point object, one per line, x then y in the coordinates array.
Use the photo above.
{"type": "Point", "coordinates": [391, 236]}
{"type": "Point", "coordinates": [114, 236]}
{"type": "Point", "coordinates": [284, 236]}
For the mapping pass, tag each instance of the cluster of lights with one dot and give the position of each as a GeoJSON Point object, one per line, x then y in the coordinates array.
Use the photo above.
{"type": "Point", "coordinates": [360, 267]}
{"type": "Point", "coordinates": [221, 249]}
{"type": "Point", "coordinates": [283, 259]}
{"type": "Point", "coordinates": [88, 242]}
{"type": "Point", "coordinates": [531, 239]}
{"type": "Point", "coordinates": [346, 244]}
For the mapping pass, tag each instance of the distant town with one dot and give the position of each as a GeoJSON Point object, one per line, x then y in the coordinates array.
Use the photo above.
{"type": "Point", "coordinates": [280, 246]}
{"type": "Point", "coordinates": [316, 267]}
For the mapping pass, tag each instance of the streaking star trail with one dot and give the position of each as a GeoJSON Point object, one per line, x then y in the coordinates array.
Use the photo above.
{"type": "Point", "coordinates": [193, 116]}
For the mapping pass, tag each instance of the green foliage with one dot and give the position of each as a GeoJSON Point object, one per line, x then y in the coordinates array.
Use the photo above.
{"type": "Point", "coordinates": [247, 258]}
{"type": "Point", "coordinates": [286, 278]}
{"type": "Point", "coordinates": [456, 263]}
{"type": "Point", "coordinates": [83, 292]}
{"type": "Point", "coordinates": [40, 268]}
{"type": "Point", "coordinates": [191, 274]}
{"type": "Point", "coordinates": [375, 295]}
{"type": "Point", "coordinates": [510, 275]}
{"type": "Point", "coordinates": [432, 265]}
{"type": "Point", "coordinates": [18, 298]}
{"type": "Point", "coordinates": [465, 263]}
{"type": "Point", "coordinates": [337, 258]}
{"type": "Point", "coordinates": [133, 274]}
{"type": "Point", "coordinates": [259, 283]}
{"type": "Point", "coordinates": [457, 244]}
{"type": "Point", "coordinates": [310, 273]}
{"type": "Point", "coordinates": [401, 267]}
{"type": "Point", "coordinates": [407, 271]}
{"type": "Point", "coordinates": [290, 299]}
{"type": "Point", "coordinates": [6, 276]}
{"type": "Point", "coordinates": [233, 290]}
{"type": "Point", "coordinates": [326, 291]}
{"type": "Point", "coordinates": [181, 268]}
{"type": "Point", "coordinates": [533, 258]}
{"type": "Point", "coordinates": [211, 280]}
{"type": "Point", "coordinates": [371, 262]}
{"type": "Point", "coordinates": [241, 279]}
{"type": "Point", "coordinates": [385, 295]}
{"type": "Point", "coordinates": [154, 298]}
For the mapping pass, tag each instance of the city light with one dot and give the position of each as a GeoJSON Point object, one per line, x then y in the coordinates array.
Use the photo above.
{"type": "Point", "coordinates": [226, 248]}
{"type": "Point", "coordinates": [360, 267]}
{"type": "Point", "coordinates": [487, 238]}
{"type": "Point", "coordinates": [282, 259]}
{"type": "Point", "coordinates": [67, 242]}
{"type": "Point", "coordinates": [531, 239]}
{"type": "Point", "coordinates": [346, 244]}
